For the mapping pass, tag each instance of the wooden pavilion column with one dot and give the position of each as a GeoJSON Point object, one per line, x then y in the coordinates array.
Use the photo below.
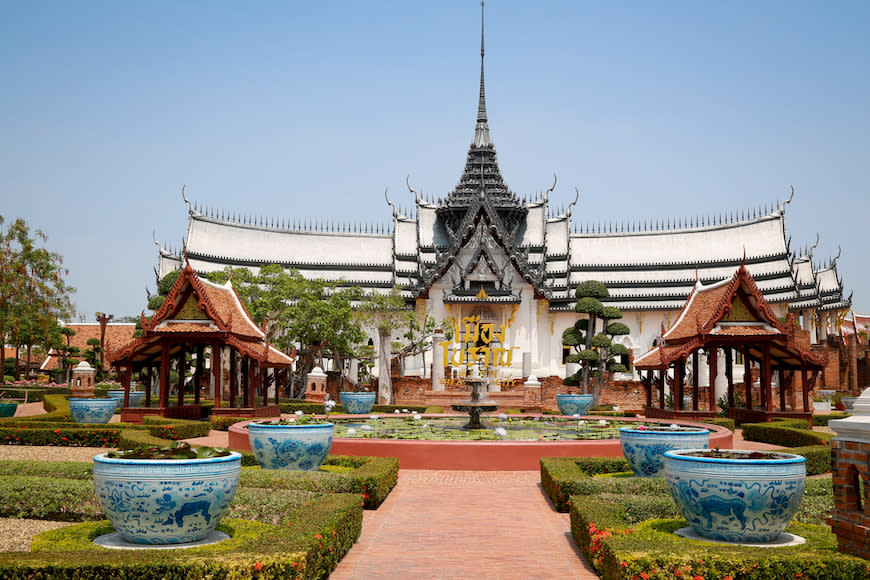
{"type": "Point", "coordinates": [729, 375]}
{"type": "Point", "coordinates": [234, 380]}
{"type": "Point", "coordinates": [647, 385]}
{"type": "Point", "coordinates": [662, 373]}
{"type": "Point", "coordinates": [164, 373]}
{"type": "Point", "coordinates": [252, 381]}
{"type": "Point", "coordinates": [766, 390]}
{"type": "Point", "coordinates": [280, 381]}
{"type": "Point", "coordinates": [679, 376]}
{"type": "Point", "coordinates": [695, 380]}
{"type": "Point", "coordinates": [243, 367]}
{"type": "Point", "coordinates": [747, 378]}
{"type": "Point", "coordinates": [147, 380]}
{"type": "Point", "coordinates": [262, 380]}
{"type": "Point", "coordinates": [713, 362]}
{"type": "Point", "coordinates": [785, 381]}
{"type": "Point", "coordinates": [200, 370]}
{"type": "Point", "coordinates": [126, 374]}
{"type": "Point", "coordinates": [217, 373]}
{"type": "Point", "coordinates": [805, 387]}
{"type": "Point", "coordinates": [182, 371]}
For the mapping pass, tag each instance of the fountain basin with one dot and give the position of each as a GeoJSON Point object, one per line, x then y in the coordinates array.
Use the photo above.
{"type": "Point", "coordinates": [477, 455]}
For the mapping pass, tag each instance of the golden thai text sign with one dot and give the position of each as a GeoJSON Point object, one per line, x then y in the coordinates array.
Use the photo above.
{"type": "Point", "coordinates": [487, 345]}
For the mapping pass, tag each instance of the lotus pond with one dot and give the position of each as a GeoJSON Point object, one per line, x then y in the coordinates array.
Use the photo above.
{"type": "Point", "coordinates": [503, 427]}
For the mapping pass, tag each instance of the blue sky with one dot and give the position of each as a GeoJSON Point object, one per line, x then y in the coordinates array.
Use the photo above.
{"type": "Point", "coordinates": [310, 110]}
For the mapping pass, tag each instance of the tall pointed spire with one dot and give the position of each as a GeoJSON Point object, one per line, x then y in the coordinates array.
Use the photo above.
{"type": "Point", "coordinates": [481, 131]}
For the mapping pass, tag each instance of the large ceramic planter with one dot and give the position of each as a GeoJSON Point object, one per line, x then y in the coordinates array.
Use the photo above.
{"type": "Point", "coordinates": [574, 404]}
{"type": "Point", "coordinates": [8, 409]}
{"type": "Point", "coordinates": [357, 403]}
{"type": "Point", "coordinates": [740, 500]}
{"type": "Point", "coordinates": [644, 447]}
{"type": "Point", "coordinates": [166, 501]}
{"type": "Point", "coordinates": [136, 398]}
{"type": "Point", "coordinates": [92, 410]}
{"type": "Point", "coordinates": [282, 446]}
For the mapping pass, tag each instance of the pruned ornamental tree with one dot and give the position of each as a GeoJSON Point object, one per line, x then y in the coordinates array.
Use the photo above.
{"type": "Point", "coordinates": [591, 339]}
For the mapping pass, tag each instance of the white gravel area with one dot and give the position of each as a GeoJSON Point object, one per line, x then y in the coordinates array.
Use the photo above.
{"type": "Point", "coordinates": [16, 534]}
{"type": "Point", "coordinates": [50, 453]}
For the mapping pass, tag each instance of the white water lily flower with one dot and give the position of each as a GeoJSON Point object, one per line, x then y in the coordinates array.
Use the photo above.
{"type": "Point", "coordinates": [674, 426]}
{"type": "Point", "coordinates": [351, 431]}
{"type": "Point", "coordinates": [405, 411]}
{"type": "Point", "coordinates": [615, 408]}
{"type": "Point", "coordinates": [576, 415]}
{"type": "Point", "coordinates": [581, 423]}
{"type": "Point", "coordinates": [298, 413]}
{"type": "Point", "coordinates": [418, 417]}
{"type": "Point", "coordinates": [396, 411]}
{"type": "Point", "coordinates": [602, 422]}
{"type": "Point", "coordinates": [373, 417]}
{"type": "Point", "coordinates": [503, 416]}
{"type": "Point", "coordinates": [425, 425]}
{"type": "Point", "coordinates": [501, 432]}
{"type": "Point", "coordinates": [366, 427]}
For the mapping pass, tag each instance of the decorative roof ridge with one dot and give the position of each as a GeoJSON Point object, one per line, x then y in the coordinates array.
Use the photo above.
{"type": "Point", "coordinates": [662, 227]}
{"type": "Point", "coordinates": [195, 254]}
{"type": "Point", "coordinates": [722, 261]}
{"type": "Point", "coordinates": [696, 289]}
{"type": "Point", "coordinates": [285, 226]}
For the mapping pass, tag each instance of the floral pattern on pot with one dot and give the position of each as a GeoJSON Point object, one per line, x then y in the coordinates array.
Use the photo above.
{"type": "Point", "coordinates": [136, 398]}
{"type": "Point", "coordinates": [300, 447]}
{"type": "Point", "coordinates": [574, 404]}
{"type": "Point", "coordinates": [736, 500]}
{"type": "Point", "coordinates": [166, 501]}
{"type": "Point", "coordinates": [644, 447]}
{"type": "Point", "coordinates": [357, 403]}
{"type": "Point", "coordinates": [92, 410]}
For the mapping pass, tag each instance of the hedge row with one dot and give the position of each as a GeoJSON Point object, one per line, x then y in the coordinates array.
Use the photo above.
{"type": "Point", "coordinates": [784, 433]}
{"type": "Point", "coordinates": [629, 536]}
{"type": "Point", "coordinates": [305, 543]}
{"type": "Point", "coordinates": [822, 420]}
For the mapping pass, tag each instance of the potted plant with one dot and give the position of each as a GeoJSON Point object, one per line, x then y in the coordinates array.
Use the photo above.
{"type": "Point", "coordinates": [136, 397]}
{"type": "Point", "coordinates": [8, 408]}
{"type": "Point", "coordinates": [736, 495]}
{"type": "Point", "coordinates": [357, 402]}
{"type": "Point", "coordinates": [93, 410]}
{"type": "Point", "coordinates": [821, 403]}
{"type": "Point", "coordinates": [301, 442]}
{"type": "Point", "coordinates": [166, 495]}
{"type": "Point", "coordinates": [644, 446]}
{"type": "Point", "coordinates": [573, 403]}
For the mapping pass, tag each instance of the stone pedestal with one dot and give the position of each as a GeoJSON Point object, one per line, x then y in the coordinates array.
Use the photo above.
{"type": "Point", "coordinates": [438, 382]}
{"type": "Point", "coordinates": [83, 376]}
{"type": "Point", "coordinates": [850, 463]}
{"type": "Point", "coordinates": [315, 386]}
{"type": "Point", "coordinates": [533, 392]}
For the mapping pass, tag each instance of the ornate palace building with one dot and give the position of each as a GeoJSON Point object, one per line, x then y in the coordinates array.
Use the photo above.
{"type": "Point", "coordinates": [483, 254]}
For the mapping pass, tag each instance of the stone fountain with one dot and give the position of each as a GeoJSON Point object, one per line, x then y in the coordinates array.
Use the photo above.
{"type": "Point", "coordinates": [475, 406]}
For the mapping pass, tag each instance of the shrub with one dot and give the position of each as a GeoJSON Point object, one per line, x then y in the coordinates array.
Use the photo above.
{"type": "Point", "coordinates": [785, 436]}
{"type": "Point", "coordinates": [822, 420]}
{"type": "Point", "coordinates": [223, 422]}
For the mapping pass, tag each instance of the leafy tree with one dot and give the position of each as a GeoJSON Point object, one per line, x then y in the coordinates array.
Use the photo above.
{"type": "Point", "coordinates": [314, 314]}
{"type": "Point", "coordinates": [33, 293]}
{"type": "Point", "coordinates": [386, 313]}
{"type": "Point", "coordinates": [594, 351]}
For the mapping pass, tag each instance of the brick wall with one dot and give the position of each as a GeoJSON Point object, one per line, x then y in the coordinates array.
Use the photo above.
{"type": "Point", "coordinates": [850, 523]}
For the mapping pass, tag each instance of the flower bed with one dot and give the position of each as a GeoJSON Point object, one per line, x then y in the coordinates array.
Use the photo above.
{"type": "Point", "coordinates": [628, 534]}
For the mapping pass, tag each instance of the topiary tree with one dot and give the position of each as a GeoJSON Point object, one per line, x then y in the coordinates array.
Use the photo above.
{"type": "Point", "coordinates": [592, 349]}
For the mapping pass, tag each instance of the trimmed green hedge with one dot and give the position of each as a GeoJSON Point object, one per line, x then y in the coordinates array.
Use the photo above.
{"type": "Point", "coordinates": [606, 528]}
{"type": "Point", "coordinates": [822, 420]}
{"type": "Point", "coordinates": [781, 433]}
{"type": "Point", "coordinates": [305, 543]}
{"type": "Point", "coordinates": [726, 422]}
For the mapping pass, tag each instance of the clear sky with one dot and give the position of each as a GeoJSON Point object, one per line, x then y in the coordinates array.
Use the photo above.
{"type": "Point", "coordinates": [310, 110]}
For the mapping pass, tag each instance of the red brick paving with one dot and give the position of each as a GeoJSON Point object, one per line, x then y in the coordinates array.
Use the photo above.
{"type": "Point", "coordinates": [447, 525]}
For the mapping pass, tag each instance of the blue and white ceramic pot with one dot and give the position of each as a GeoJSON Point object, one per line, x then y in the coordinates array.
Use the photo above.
{"type": "Point", "coordinates": [574, 404]}
{"type": "Point", "coordinates": [644, 446]}
{"type": "Point", "coordinates": [357, 403]}
{"type": "Point", "coordinates": [92, 410]}
{"type": "Point", "coordinates": [741, 500]}
{"type": "Point", "coordinates": [8, 409]}
{"type": "Point", "coordinates": [136, 398]}
{"type": "Point", "coordinates": [301, 447]}
{"type": "Point", "coordinates": [166, 501]}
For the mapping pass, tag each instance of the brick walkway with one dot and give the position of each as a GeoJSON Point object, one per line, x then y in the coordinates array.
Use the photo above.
{"type": "Point", "coordinates": [465, 524]}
